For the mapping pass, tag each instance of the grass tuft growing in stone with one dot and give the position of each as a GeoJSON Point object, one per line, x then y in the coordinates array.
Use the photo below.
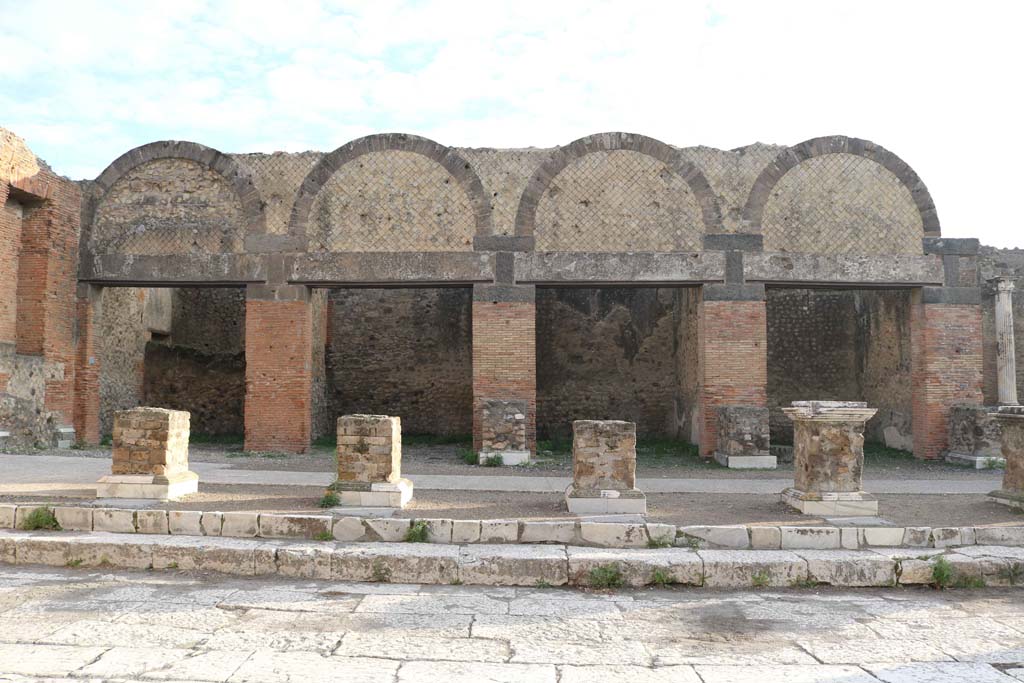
{"type": "Point", "coordinates": [41, 518]}
{"type": "Point", "coordinates": [417, 532]}
{"type": "Point", "coordinates": [694, 543]}
{"type": "Point", "coordinates": [605, 576]}
{"type": "Point", "coordinates": [541, 583]}
{"type": "Point", "coordinates": [760, 579]}
{"type": "Point", "coordinates": [969, 582]}
{"type": "Point", "coordinates": [493, 461]}
{"type": "Point", "coordinates": [72, 563]}
{"type": "Point", "coordinates": [803, 583]}
{"type": "Point", "coordinates": [330, 500]}
{"type": "Point", "coordinates": [660, 577]}
{"type": "Point", "coordinates": [468, 456]}
{"type": "Point", "coordinates": [1013, 574]}
{"type": "Point", "coordinates": [380, 572]}
{"type": "Point", "coordinates": [660, 542]}
{"type": "Point", "coordinates": [324, 536]}
{"type": "Point", "coordinates": [942, 574]}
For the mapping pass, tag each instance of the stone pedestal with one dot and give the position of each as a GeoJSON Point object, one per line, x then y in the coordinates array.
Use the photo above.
{"type": "Point", "coordinates": [370, 462]}
{"type": "Point", "coordinates": [503, 431]}
{"type": "Point", "coordinates": [828, 458]}
{"type": "Point", "coordinates": [150, 458]}
{"type": "Point", "coordinates": [1011, 419]}
{"type": "Point", "coordinates": [975, 436]}
{"type": "Point", "coordinates": [743, 441]}
{"type": "Point", "coordinates": [604, 469]}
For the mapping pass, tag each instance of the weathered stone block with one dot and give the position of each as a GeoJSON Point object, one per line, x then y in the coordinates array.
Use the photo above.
{"type": "Point", "coordinates": [240, 524]}
{"type": "Point", "coordinates": [747, 568]}
{"type": "Point", "coordinates": [349, 529]}
{"type": "Point", "coordinates": [513, 565]}
{"type": "Point", "coordinates": [226, 556]}
{"type": "Point", "coordinates": [822, 538]}
{"type": "Point", "coordinates": [975, 436]}
{"type": "Point", "coordinates": [613, 535]}
{"type": "Point", "coordinates": [503, 430]}
{"type": "Point", "coordinates": [185, 522]}
{"type": "Point", "coordinates": [212, 523]}
{"type": "Point", "coordinates": [304, 561]}
{"type": "Point", "coordinates": [743, 440]}
{"type": "Point", "coordinates": [406, 563]}
{"type": "Point", "coordinates": [118, 521]}
{"type": "Point", "coordinates": [151, 522]}
{"type": "Point", "coordinates": [7, 515]}
{"type": "Point", "coordinates": [387, 529]}
{"type": "Point", "coordinates": [1011, 422]}
{"type": "Point", "coordinates": [765, 538]}
{"type": "Point", "coordinates": [637, 567]}
{"type": "Point", "coordinates": [369, 448]}
{"type": "Point", "coordinates": [439, 530]}
{"type": "Point", "coordinates": [882, 536]}
{"type": "Point", "coordinates": [294, 526]}
{"type": "Point", "coordinates": [73, 519]}
{"type": "Point", "coordinates": [849, 567]}
{"type": "Point", "coordinates": [548, 532]}
{"type": "Point", "coordinates": [721, 536]}
{"type": "Point", "coordinates": [465, 531]}
{"type": "Point", "coordinates": [150, 441]}
{"type": "Point", "coordinates": [499, 531]}
{"type": "Point", "coordinates": [604, 469]}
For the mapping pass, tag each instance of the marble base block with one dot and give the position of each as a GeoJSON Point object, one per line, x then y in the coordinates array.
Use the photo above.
{"type": "Point", "coordinates": [382, 494]}
{"type": "Point", "coordinates": [507, 457]}
{"type": "Point", "coordinates": [746, 462]}
{"type": "Point", "coordinates": [148, 486]}
{"type": "Point", "coordinates": [605, 502]}
{"type": "Point", "coordinates": [850, 504]}
{"type": "Point", "coordinates": [1013, 500]}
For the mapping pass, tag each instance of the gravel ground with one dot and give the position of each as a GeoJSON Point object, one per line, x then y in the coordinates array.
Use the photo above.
{"type": "Point", "coordinates": [690, 508]}
{"type": "Point", "coordinates": [445, 459]}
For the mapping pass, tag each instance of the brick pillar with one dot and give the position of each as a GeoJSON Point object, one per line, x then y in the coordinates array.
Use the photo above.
{"type": "Point", "coordinates": [504, 352]}
{"type": "Point", "coordinates": [732, 354]}
{"type": "Point", "coordinates": [87, 365]}
{"type": "Point", "coordinates": [945, 340]}
{"type": "Point", "coordinates": [10, 245]}
{"type": "Point", "coordinates": [278, 368]}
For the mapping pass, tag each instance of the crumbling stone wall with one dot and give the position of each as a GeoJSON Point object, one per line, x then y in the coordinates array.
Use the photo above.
{"type": "Point", "coordinates": [841, 345]}
{"type": "Point", "coordinates": [403, 352]}
{"type": "Point", "coordinates": [616, 352]}
{"type": "Point", "coordinates": [992, 263]}
{"type": "Point", "coordinates": [122, 336]}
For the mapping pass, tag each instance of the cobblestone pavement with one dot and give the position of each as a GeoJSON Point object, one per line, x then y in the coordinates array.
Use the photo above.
{"type": "Point", "coordinates": [82, 625]}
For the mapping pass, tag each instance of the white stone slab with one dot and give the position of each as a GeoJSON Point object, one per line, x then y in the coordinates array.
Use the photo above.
{"type": "Point", "coordinates": [747, 462]}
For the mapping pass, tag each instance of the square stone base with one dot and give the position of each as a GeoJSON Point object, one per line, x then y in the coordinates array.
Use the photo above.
{"type": "Point", "coordinates": [148, 486]}
{"type": "Point", "coordinates": [854, 504]}
{"type": "Point", "coordinates": [978, 462]}
{"type": "Point", "coordinates": [373, 495]}
{"type": "Point", "coordinates": [605, 502]}
{"type": "Point", "coordinates": [507, 457]}
{"type": "Point", "coordinates": [747, 462]}
{"type": "Point", "coordinates": [1008, 498]}
{"type": "Point", "coordinates": [65, 437]}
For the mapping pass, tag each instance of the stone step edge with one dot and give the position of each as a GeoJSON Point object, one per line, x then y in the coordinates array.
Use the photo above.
{"type": "Point", "coordinates": [511, 531]}
{"type": "Point", "coordinates": [508, 565]}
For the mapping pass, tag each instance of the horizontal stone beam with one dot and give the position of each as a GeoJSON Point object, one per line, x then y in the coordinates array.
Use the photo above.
{"type": "Point", "coordinates": [619, 268]}
{"type": "Point", "coordinates": [419, 268]}
{"type": "Point", "coordinates": [178, 269]}
{"type": "Point", "coordinates": [843, 269]}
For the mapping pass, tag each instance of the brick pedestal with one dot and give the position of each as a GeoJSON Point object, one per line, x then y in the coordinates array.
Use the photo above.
{"type": "Point", "coordinates": [828, 458]}
{"type": "Point", "coordinates": [1011, 421]}
{"type": "Point", "coordinates": [504, 353]}
{"type": "Point", "coordinates": [278, 369]}
{"type": "Point", "coordinates": [732, 339]}
{"type": "Point", "coordinates": [503, 431]}
{"type": "Point", "coordinates": [946, 363]}
{"type": "Point", "coordinates": [150, 458]}
{"type": "Point", "coordinates": [604, 469]}
{"type": "Point", "coordinates": [743, 438]}
{"type": "Point", "coordinates": [370, 462]}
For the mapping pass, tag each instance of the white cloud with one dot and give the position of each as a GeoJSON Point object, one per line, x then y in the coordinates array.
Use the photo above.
{"type": "Point", "coordinates": [934, 82]}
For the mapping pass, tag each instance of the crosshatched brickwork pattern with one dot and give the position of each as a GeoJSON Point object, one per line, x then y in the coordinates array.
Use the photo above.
{"type": "Point", "coordinates": [392, 200]}
{"type": "Point", "coordinates": [841, 204]}
{"type": "Point", "coordinates": [277, 178]}
{"type": "Point", "coordinates": [169, 206]}
{"type": "Point", "coordinates": [618, 200]}
{"type": "Point", "coordinates": [731, 174]}
{"type": "Point", "coordinates": [504, 173]}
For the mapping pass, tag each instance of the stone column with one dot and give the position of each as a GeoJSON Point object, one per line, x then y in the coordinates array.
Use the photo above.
{"type": "Point", "coordinates": [732, 365]}
{"type": "Point", "coordinates": [1006, 362]}
{"type": "Point", "coordinates": [1011, 420]}
{"type": "Point", "coordinates": [504, 353]}
{"type": "Point", "coordinates": [828, 458]}
{"type": "Point", "coordinates": [278, 368]}
{"type": "Point", "coordinates": [150, 458]}
{"type": "Point", "coordinates": [604, 469]}
{"type": "Point", "coordinates": [370, 462]}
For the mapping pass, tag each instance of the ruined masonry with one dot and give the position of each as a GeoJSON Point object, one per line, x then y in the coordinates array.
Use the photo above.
{"type": "Point", "coordinates": [684, 289]}
{"type": "Point", "coordinates": [370, 462]}
{"type": "Point", "coordinates": [828, 459]}
{"type": "Point", "coordinates": [150, 456]}
{"type": "Point", "coordinates": [1011, 419]}
{"type": "Point", "coordinates": [604, 469]}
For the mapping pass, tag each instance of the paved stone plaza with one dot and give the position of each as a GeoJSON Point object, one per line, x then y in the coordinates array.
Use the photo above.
{"type": "Point", "coordinates": [63, 624]}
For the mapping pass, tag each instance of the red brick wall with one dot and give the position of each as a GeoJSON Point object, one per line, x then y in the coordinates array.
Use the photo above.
{"type": "Point", "coordinates": [946, 368]}
{"type": "Point", "coordinates": [278, 375]}
{"type": "Point", "coordinates": [733, 360]}
{"type": "Point", "coordinates": [505, 358]}
{"type": "Point", "coordinates": [87, 371]}
{"type": "Point", "coordinates": [10, 245]}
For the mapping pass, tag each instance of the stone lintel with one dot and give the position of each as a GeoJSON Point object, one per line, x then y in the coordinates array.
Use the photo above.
{"type": "Point", "coordinates": [830, 411]}
{"type": "Point", "coordinates": [841, 269]}
{"type": "Point", "coordinates": [393, 268]}
{"type": "Point", "coordinates": [964, 296]}
{"type": "Point", "coordinates": [173, 269]}
{"type": "Point", "coordinates": [620, 268]}
{"type": "Point", "coordinates": [733, 242]}
{"type": "Point", "coordinates": [949, 245]}
{"type": "Point", "coordinates": [505, 293]}
{"type": "Point", "coordinates": [734, 292]}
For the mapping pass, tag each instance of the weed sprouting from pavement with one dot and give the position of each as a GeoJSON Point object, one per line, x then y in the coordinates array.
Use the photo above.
{"type": "Point", "coordinates": [41, 518]}
{"type": "Point", "coordinates": [417, 532]}
{"type": "Point", "coordinates": [605, 576]}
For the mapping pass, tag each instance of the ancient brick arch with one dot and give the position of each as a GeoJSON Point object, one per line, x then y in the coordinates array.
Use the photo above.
{"type": "Point", "coordinates": [704, 204]}
{"type": "Point", "coordinates": [395, 154]}
{"type": "Point", "coordinates": [237, 178]}
{"type": "Point", "coordinates": [762, 191]}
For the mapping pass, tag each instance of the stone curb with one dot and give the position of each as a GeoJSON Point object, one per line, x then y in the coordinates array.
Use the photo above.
{"type": "Point", "coordinates": [513, 565]}
{"type": "Point", "coordinates": [511, 531]}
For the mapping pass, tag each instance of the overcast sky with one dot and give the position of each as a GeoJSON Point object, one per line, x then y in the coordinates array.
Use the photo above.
{"type": "Point", "coordinates": [937, 83]}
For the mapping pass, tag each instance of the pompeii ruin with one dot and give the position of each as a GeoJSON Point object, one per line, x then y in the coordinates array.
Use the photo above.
{"type": "Point", "coordinates": [691, 291]}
